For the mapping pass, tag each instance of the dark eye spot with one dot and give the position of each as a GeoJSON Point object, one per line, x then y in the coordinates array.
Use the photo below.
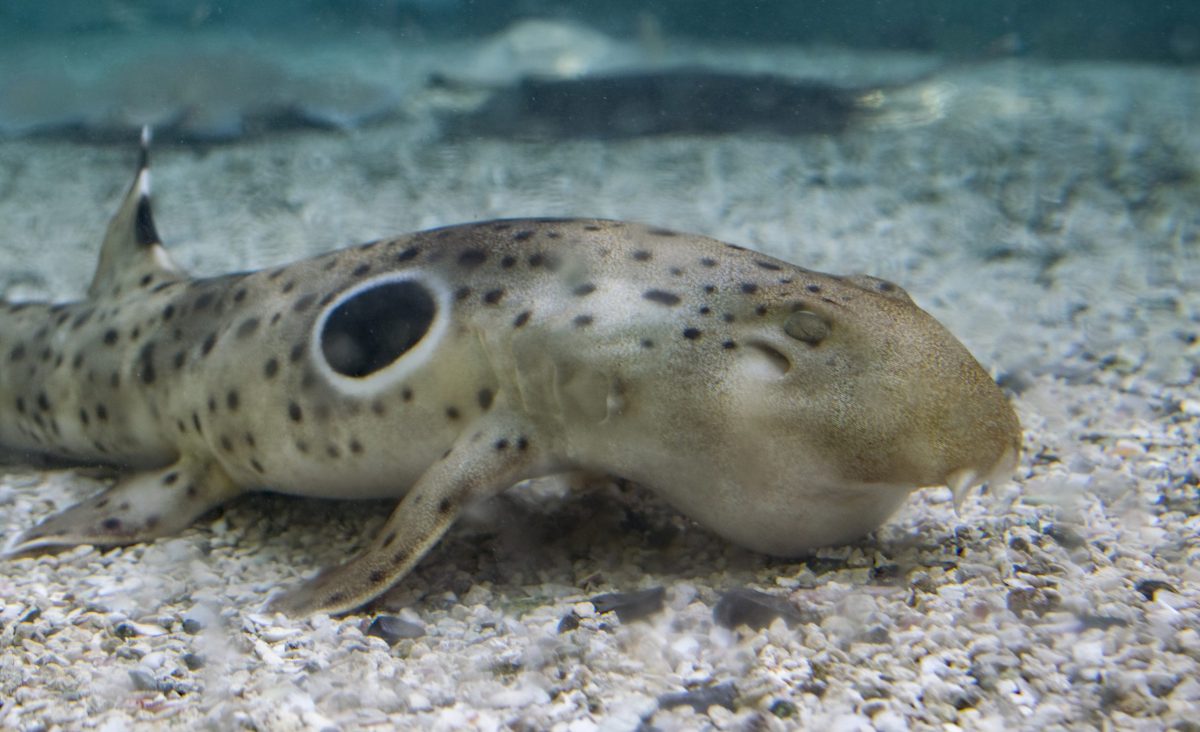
{"type": "Point", "coordinates": [375, 327]}
{"type": "Point", "coordinates": [806, 326]}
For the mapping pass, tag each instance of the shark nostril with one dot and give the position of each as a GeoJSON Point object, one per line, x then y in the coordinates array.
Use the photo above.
{"type": "Point", "coordinates": [806, 326]}
{"type": "Point", "coordinates": [373, 327]}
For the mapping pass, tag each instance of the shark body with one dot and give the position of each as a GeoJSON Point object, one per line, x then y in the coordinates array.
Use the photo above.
{"type": "Point", "coordinates": [785, 409]}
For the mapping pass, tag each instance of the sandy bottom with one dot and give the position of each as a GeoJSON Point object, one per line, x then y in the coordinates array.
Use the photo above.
{"type": "Point", "coordinates": [1047, 214]}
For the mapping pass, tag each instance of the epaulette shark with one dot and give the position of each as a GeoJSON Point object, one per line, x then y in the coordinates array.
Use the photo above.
{"type": "Point", "coordinates": [782, 408]}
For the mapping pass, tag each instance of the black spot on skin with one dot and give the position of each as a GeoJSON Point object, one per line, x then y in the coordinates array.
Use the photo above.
{"type": "Point", "coordinates": [704, 310]}
{"type": "Point", "coordinates": [591, 227]}
{"type": "Point", "coordinates": [378, 576]}
{"type": "Point", "coordinates": [304, 302]}
{"type": "Point", "coordinates": [400, 557]}
{"type": "Point", "coordinates": [239, 295]}
{"type": "Point", "coordinates": [146, 280]}
{"type": "Point", "coordinates": [111, 336]}
{"type": "Point", "coordinates": [642, 255]}
{"type": "Point", "coordinates": [537, 259]}
{"type": "Point", "coordinates": [378, 408]}
{"type": "Point", "coordinates": [728, 317]}
{"type": "Point", "coordinates": [735, 247]}
{"type": "Point", "coordinates": [271, 368]}
{"type": "Point", "coordinates": [17, 353]}
{"type": "Point", "coordinates": [886, 287]}
{"type": "Point", "coordinates": [247, 328]}
{"type": "Point", "coordinates": [209, 342]}
{"type": "Point", "coordinates": [170, 478]}
{"type": "Point", "coordinates": [212, 403]}
{"type": "Point", "coordinates": [508, 261]}
{"type": "Point", "coordinates": [20, 405]}
{"type": "Point", "coordinates": [768, 265]}
{"type": "Point", "coordinates": [813, 288]}
{"type": "Point", "coordinates": [710, 289]}
{"type": "Point", "coordinates": [729, 345]}
{"type": "Point", "coordinates": [390, 538]}
{"type": "Point", "coordinates": [647, 343]}
{"type": "Point", "coordinates": [302, 446]}
{"type": "Point", "coordinates": [82, 320]}
{"type": "Point", "coordinates": [356, 447]}
{"type": "Point", "coordinates": [584, 290]}
{"type": "Point", "coordinates": [168, 312]}
{"type": "Point", "coordinates": [43, 401]}
{"type": "Point", "coordinates": [485, 399]}
{"type": "Point", "coordinates": [522, 443]}
{"type": "Point", "coordinates": [84, 417]}
{"type": "Point", "coordinates": [232, 400]}
{"type": "Point", "coordinates": [661, 232]}
{"type": "Point", "coordinates": [297, 352]}
{"type": "Point", "coordinates": [521, 319]}
{"type": "Point", "coordinates": [288, 286]}
{"type": "Point", "coordinates": [195, 421]}
{"type": "Point", "coordinates": [406, 394]}
{"type": "Point", "coordinates": [523, 235]}
{"type": "Point", "coordinates": [583, 321]}
{"type": "Point", "coordinates": [361, 269]}
{"type": "Point", "coordinates": [191, 491]}
{"type": "Point", "coordinates": [226, 443]}
{"type": "Point", "coordinates": [408, 254]}
{"type": "Point", "coordinates": [501, 444]}
{"type": "Point", "coordinates": [493, 297]}
{"type": "Point", "coordinates": [149, 375]}
{"type": "Point", "coordinates": [294, 412]}
{"type": "Point", "coordinates": [452, 413]}
{"type": "Point", "coordinates": [250, 441]}
{"type": "Point", "coordinates": [258, 467]}
{"type": "Point", "coordinates": [111, 524]}
{"type": "Point", "coordinates": [691, 333]}
{"type": "Point", "coordinates": [77, 362]}
{"type": "Point", "coordinates": [445, 506]}
{"type": "Point", "coordinates": [333, 452]}
{"type": "Point", "coordinates": [749, 288]}
{"type": "Point", "coordinates": [662, 297]}
{"type": "Point", "coordinates": [761, 310]}
{"type": "Point", "coordinates": [462, 293]}
{"type": "Point", "coordinates": [472, 258]}
{"type": "Point", "coordinates": [204, 301]}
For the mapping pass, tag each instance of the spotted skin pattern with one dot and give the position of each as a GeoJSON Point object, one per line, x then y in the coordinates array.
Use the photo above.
{"type": "Point", "coordinates": [782, 408]}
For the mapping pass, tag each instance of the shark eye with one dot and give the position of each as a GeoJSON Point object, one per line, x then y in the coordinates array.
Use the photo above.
{"type": "Point", "coordinates": [806, 326]}
{"type": "Point", "coordinates": [373, 327]}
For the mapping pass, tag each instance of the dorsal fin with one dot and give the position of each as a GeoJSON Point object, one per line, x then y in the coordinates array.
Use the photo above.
{"type": "Point", "coordinates": [132, 255]}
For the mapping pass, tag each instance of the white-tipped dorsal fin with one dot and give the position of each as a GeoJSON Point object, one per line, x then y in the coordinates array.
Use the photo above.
{"type": "Point", "coordinates": [132, 256]}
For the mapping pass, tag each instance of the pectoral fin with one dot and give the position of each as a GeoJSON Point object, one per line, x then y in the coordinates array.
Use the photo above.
{"type": "Point", "coordinates": [140, 507]}
{"type": "Point", "coordinates": [503, 452]}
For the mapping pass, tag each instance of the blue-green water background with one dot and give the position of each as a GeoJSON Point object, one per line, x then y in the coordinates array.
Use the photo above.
{"type": "Point", "coordinates": [1110, 29]}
